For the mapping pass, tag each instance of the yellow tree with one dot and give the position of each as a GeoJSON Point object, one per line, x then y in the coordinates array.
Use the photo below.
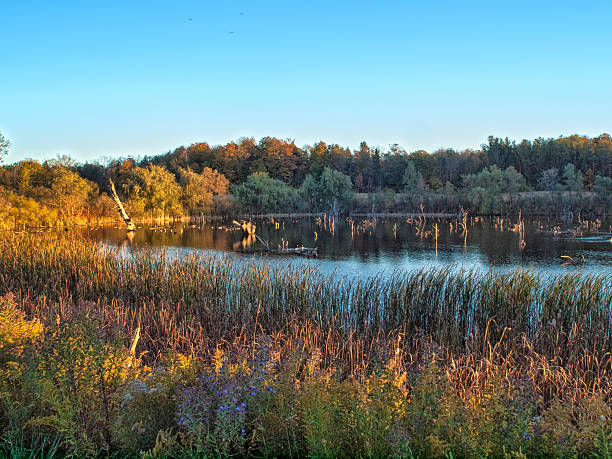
{"type": "Point", "coordinates": [153, 189]}
{"type": "Point", "coordinates": [198, 189]}
{"type": "Point", "coordinates": [70, 193]}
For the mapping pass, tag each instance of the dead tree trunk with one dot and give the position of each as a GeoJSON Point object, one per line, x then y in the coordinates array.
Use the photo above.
{"type": "Point", "coordinates": [124, 216]}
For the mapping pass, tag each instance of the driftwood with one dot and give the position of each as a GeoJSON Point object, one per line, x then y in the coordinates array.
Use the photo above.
{"type": "Point", "coordinates": [298, 251]}
{"type": "Point", "coordinates": [246, 245]}
{"type": "Point", "coordinates": [124, 216]}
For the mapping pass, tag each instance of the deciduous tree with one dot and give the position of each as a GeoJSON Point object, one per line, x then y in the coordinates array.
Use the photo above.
{"type": "Point", "coordinates": [262, 193]}
{"type": "Point", "coordinates": [332, 192]}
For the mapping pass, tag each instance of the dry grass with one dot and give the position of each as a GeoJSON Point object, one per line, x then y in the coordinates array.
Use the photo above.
{"type": "Point", "coordinates": [550, 333]}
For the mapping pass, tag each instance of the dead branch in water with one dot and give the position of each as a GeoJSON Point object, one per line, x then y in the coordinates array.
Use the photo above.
{"type": "Point", "coordinates": [124, 216]}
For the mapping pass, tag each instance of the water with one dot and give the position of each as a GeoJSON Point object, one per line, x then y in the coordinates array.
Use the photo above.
{"type": "Point", "coordinates": [367, 247]}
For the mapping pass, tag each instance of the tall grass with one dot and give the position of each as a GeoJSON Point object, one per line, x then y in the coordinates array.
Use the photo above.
{"type": "Point", "coordinates": [196, 303]}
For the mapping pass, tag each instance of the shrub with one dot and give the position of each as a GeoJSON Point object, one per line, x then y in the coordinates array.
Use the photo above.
{"type": "Point", "coordinates": [440, 421]}
{"type": "Point", "coordinates": [144, 412]}
{"type": "Point", "coordinates": [576, 427]}
{"type": "Point", "coordinates": [15, 330]}
{"type": "Point", "coordinates": [79, 368]}
{"type": "Point", "coordinates": [17, 399]}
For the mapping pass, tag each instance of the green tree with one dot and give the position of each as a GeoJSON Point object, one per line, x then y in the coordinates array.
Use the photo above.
{"type": "Point", "coordinates": [602, 185]}
{"type": "Point", "coordinates": [572, 178]}
{"type": "Point", "coordinates": [513, 181]}
{"type": "Point", "coordinates": [393, 165]}
{"type": "Point", "coordinates": [262, 193]}
{"type": "Point", "coordinates": [319, 159]}
{"type": "Point", "coordinates": [413, 181]}
{"type": "Point", "coordinates": [435, 184]}
{"type": "Point", "coordinates": [449, 188]}
{"type": "Point", "coordinates": [332, 192]}
{"type": "Point", "coordinates": [485, 188]}
{"type": "Point", "coordinates": [27, 176]}
{"type": "Point", "coordinates": [589, 179]}
{"type": "Point", "coordinates": [280, 158]}
{"type": "Point", "coordinates": [496, 181]}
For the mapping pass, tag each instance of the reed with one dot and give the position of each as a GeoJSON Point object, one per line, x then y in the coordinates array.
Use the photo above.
{"type": "Point", "coordinates": [556, 330]}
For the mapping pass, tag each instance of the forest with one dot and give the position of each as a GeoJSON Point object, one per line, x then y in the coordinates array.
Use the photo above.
{"type": "Point", "coordinates": [543, 176]}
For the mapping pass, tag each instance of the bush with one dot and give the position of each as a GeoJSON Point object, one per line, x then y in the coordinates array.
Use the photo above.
{"type": "Point", "coordinates": [15, 331]}
{"type": "Point", "coordinates": [144, 412]}
{"type": "Point", "coordinates": [66, 383]}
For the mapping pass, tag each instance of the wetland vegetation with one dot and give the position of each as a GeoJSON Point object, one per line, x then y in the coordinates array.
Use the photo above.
{"type": "Point", "coordinates": [208, 355]}
{"type": "Point", "coordinates": [485, 337]}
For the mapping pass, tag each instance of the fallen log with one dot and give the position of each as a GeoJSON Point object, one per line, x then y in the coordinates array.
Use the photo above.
{"type": "Point", "coordinates": [298, 251]}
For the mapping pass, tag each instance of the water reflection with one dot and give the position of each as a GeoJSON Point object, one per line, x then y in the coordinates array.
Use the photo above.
{"type": "Point", "coordinates": [247, 242]}
{"type": "Point", "coordinates": [356, 247]}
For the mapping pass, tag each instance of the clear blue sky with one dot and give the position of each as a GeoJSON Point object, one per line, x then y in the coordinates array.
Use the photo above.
{"type": "Point", "coordinates": [94, 79]}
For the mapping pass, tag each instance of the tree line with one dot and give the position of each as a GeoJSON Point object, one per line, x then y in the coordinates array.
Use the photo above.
{"type": "Point", "coordinates": [372, 169]}
{"type": "Point", "coordinates": [275, 175]}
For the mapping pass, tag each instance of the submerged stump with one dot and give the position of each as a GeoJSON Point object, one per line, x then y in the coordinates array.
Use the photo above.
{"type": "Point", "coordinates": [248, 228]}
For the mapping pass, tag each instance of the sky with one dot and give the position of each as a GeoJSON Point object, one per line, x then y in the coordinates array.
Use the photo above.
{"type": "Point", "coordinates": [104, 79]}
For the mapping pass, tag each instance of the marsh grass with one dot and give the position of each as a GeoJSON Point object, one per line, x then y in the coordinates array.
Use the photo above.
{"type": "Point", "coordinates": [556, 330]}
{"type": "Point", "coordinates": [239, 358]}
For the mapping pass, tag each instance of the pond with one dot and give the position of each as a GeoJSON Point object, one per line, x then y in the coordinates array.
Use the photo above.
{"type": "Point", "coordinates": [361, 246]}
